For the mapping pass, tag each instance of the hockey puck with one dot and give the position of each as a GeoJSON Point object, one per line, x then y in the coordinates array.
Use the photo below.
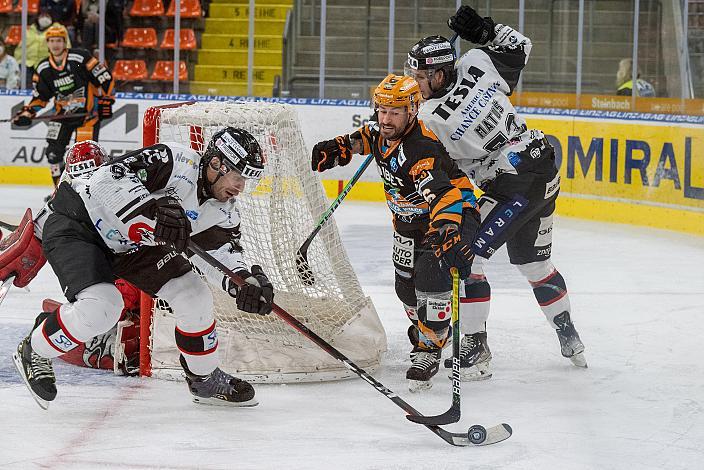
{"type": "Point", "coordinates": [476, 434]}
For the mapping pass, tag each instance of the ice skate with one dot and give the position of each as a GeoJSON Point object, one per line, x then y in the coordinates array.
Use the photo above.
{"type": "Point", "coordinates": [570, 344]}
{"type": "Point", "coordinates": [37, 372]}
{"type": "Point", "coordinates": [475, 358]}
{"type": "Point", "coordinates": [219, 388]}
{"type": "Point", "coordinates": [424, 365]}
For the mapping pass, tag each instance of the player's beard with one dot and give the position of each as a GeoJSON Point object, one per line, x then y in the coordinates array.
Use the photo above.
{"type": "Point", "coordinates": [397, 134]}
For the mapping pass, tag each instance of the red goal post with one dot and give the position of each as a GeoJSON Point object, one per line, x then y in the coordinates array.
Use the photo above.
{"type": "Point", "coordinates": [276, 218]}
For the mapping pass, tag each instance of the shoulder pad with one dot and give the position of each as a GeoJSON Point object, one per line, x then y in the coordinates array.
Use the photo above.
{"type": "Point", "coordinates": [43, 65]}
{"type": "Point", "coordinates": [74, 57]}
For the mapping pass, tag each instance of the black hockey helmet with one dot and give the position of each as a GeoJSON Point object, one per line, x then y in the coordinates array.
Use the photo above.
{"type": "Point", "coordinates": [431, 53]}
{"type": "Point", "coordinates": [238, 150]}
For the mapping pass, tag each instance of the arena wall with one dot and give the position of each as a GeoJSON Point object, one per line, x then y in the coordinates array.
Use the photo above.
{"type": "Point", "coordinates": [633, 168]}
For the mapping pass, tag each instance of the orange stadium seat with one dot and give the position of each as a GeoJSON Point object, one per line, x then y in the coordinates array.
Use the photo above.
{"type": "Point", "coordinates": [5, 6]}
{"type": "Point", "coordinates": [130, 70]}
{"type": "Point", "coordinates": [188, 39]}
{"type": "Point", "coordinates": [147, 8]}
{"type": "Point", "coordinates": [32, 7]}
{"type": "Point", "coordinates": [189, 9]}
{"type": "Point", "coordinates": [140, 38]}
{"type": "Point", "coordinates": [164, 70]}
{"type": "Point", "coordinates": [14, 35]}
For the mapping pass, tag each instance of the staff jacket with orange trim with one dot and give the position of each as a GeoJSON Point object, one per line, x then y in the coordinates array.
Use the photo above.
{"type": "Point", "coordinates": [423, 185]}
{"type": "Point", "coordinates": [74, 84]}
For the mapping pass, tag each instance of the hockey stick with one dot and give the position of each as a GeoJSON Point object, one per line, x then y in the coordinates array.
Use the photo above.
{"type": "Point", "coordinates": [477, 436]}
{"type": "Point", "coordinates": [7, 226]}
{"type": "Point", "coordinates": [304, 271]}
{"type": "Point", "coordinates": [453, 414]}
{"type": "Point", "coordinates": [51, 117]}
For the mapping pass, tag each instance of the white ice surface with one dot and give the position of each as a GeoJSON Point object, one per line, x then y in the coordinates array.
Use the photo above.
{"type": "Point", "coordinates": [638, 303]}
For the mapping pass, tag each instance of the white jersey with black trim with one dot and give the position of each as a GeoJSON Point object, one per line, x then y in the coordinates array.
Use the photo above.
{"type": "Point", "coordinates": [475, 120]}
{"type": "Point", "coordinates": [120, 200]}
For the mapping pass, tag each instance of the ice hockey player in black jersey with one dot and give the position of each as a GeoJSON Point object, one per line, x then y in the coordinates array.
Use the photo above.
{"type": "Point", "coordinates": [133, 219]}
{"type": "Point", "coordinates": [467, 107]}
{"type": "Point", "coordinates": [434, 214]}
{"type": "Point", "coordinates": [79, 84]}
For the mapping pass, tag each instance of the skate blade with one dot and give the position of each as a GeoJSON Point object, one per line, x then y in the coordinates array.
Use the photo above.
{"type": "Point", "coordinates": [579, 360]}
{"type": "Point", "coordinates": [416, 386]}
{"type": "Point", "coordinates": [43, 404]}
{"type": "Point", "coordinates": [218, 402]}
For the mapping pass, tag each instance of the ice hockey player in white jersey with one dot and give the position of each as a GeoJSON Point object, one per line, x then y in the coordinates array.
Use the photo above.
{"type": "Point", "coordinates": [467, 107]}
{"type": "Point", "coordinates": [133, 219]}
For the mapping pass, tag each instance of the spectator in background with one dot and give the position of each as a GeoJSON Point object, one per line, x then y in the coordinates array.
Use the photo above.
{"type": "Point", "coordinates": [64, 12]}
{"type": "Point", "coordinates": [88, 23]}
{"type": "Point", "coordinates": [36, 43]}
{"type": "Point", "coordinates": [9, 70]}
{"type": "Point", "coordinates": [624, 82]}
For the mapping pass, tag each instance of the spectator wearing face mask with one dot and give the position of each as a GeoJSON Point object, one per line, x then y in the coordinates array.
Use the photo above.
{"type": "Point", "coordinates": [62, 11]}
{"type": "Point", "coordinates": [36, 43]}
{"type": "Point", "coordinates": [9, 70]}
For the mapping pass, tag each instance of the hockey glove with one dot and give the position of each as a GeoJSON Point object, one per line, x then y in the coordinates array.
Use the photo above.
{"type": "Point", "coordinates": [471, 27]}
{"type": "Point", "coordinates": [23, 118]}
{"type": "Point", "coordinates": [330, 153]}
{"type": "Point", "coordinates": [105, 107]}
{"type": "Point", "coordinates": [172, 225]}
{"type": "Point", "coordinates": [256, 295]}
{"type": "Point", "coordinates": [454, 251]}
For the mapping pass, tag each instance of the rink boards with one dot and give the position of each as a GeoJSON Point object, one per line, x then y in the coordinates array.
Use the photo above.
{"type": "Point", "coordinates": [641, 169]}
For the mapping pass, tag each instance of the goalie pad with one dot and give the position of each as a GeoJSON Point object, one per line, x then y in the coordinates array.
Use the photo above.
{"type": "Point", "coordinates": [21, 253]}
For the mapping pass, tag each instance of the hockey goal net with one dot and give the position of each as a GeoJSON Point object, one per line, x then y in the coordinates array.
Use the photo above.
{"type": "Point", "coordinates": [276, 218]}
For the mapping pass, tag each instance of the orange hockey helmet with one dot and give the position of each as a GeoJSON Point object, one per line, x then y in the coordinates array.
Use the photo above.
{"type": "Point", "coordinates": [56, 31]}
{"type": "Point", "coordinates": [398, 91]}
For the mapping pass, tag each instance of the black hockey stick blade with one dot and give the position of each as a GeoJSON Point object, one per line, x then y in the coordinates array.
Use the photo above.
{"type": "Point", "coordinates": [450, 416]}
{"type": "Point", "coordinates": [304, 271]}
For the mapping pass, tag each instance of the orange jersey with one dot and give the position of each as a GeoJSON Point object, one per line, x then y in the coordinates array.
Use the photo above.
{"type": "Point", "coordinates": [423, 185]}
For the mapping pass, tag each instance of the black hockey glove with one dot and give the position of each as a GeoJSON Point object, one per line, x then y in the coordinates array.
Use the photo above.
{"type": "Point", "coordinates": [453, 250]}
{"type": "Point", "coordinates": [23, 118]}
{"type": "Point", "coordinates": [330, 153]}
{"type": "Point", "coordinates": [105, 107]}
{"type": "Point", "coordinates": [256, 295]}
{"type": "Point", "coordinates": [471, 27]}
{"type": "Point", "coordinates": [172, 225]}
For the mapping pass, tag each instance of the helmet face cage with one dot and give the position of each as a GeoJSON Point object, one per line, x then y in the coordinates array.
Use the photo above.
{"type": "Point", "coordinates": [84, 157]}
{"type": "Point", "coordinates": [237, 150]}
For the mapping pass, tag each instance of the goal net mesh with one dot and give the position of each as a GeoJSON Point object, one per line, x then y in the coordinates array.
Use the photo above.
{"type": "Point", "coordinates": [277, 217]}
